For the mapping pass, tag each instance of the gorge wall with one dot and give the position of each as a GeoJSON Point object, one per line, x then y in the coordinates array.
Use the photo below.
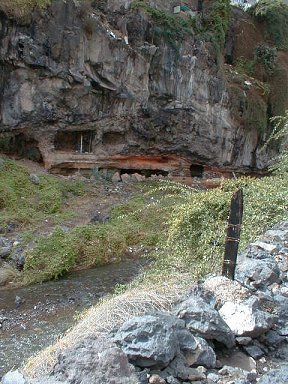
{"type": "Point", "coordinates": [99, 85]}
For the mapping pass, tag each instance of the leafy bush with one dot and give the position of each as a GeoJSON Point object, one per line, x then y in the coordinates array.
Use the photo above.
{"type": "Point", "coordinates": [216, 23]}
{"type": "Point", "coordinates": [267, 56]}
{"type": "Point", "coordinates": [40, 266]}
{"type": "Point", "coordinates": [274, 14]}
{"type": "Point", "coordinates": [170, 27]}
{"type": "Point", "coordinates": [197, 224]}
{"type": "Point", "coordinates": [280, 133]}
{"type": "Point", "coordinates": [244, 66]}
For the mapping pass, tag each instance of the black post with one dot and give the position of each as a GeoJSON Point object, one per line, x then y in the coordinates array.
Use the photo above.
{"type": "Point", "coordinates": [233, 235]}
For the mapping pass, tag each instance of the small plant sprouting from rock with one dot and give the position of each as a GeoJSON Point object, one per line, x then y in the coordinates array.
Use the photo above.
{"type": "Point", "coordinates": [266, 56]}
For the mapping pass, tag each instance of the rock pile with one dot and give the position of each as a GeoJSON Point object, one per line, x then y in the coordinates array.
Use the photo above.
{"type": "Point", "coordinates": [221, 332]}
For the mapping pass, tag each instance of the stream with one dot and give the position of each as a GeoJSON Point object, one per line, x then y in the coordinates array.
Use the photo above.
{"type": "Point", "coordinates": [31, 318]}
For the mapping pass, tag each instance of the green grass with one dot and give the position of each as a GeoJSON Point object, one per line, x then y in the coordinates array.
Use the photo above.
{"type": "Point", "coordinates": [85, 246]}
{"type": "Point", "coordinates": [24, 203]}
{"type": "Point", "coordinates": [188, 227]}
{"type": "Point", "coordinates": [197, 225]}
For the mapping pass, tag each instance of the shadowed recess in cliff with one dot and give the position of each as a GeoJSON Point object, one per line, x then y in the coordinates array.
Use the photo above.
{"type": "Point", "coordinates": [20, 146]}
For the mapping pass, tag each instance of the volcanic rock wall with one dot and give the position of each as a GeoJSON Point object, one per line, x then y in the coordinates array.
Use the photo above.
{"type": "Point", "coordinates": [89, 86]}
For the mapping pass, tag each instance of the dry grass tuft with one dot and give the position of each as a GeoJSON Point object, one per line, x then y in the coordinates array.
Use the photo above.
{"type": "Point", "coordinates": [109, 314]}
{"type": "Point", "coordinates": [7, 274]}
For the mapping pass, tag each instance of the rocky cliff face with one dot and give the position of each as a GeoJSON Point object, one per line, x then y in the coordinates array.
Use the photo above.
{"type": "Point", "coordinates": [97, 86]}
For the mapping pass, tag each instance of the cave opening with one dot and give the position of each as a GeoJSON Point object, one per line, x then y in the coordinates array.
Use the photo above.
{"type": "Point", "coordinates": [145, 172]}
{"type": "Point", "coordinates": [74, 141]}
{"type": "Point", "coordinates": [21, 146]}
{"type": "Point", "coordinates": [196, 170]}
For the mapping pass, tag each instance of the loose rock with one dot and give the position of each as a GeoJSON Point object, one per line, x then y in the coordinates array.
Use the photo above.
{"type": "Point", "coordinates": [202, 318]}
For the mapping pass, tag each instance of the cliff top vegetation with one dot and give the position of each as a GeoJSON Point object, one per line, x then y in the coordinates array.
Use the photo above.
{"type": "Point", "coordinates": [20, 8]}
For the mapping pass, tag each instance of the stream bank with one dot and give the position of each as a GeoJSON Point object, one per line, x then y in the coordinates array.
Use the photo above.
{"type": "Point", "coordinates": [33, 317]}
{"type": "Point", "coordinates": [219, 331]}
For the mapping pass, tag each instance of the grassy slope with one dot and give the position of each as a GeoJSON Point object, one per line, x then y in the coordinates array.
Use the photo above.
{"type": "Point", "coordinates": [187, 226]}
{"type": "Point", "coordinates": [25, 204]}
{"type": "Point", "coordinates": [192, 244]}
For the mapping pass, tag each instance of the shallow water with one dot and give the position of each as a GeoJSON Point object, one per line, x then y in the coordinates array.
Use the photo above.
{"type": "Point", "coordinates": [48, 310]}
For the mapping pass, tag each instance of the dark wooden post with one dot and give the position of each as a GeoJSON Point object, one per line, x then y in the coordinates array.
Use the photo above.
{"type": "Point", "coordinates": [233, 235]}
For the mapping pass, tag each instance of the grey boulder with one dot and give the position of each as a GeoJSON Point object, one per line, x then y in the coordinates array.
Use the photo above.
{"type": "Point", "coordinates": [247, 318]}
{"type": "Point", "coordinates": [258, 273]}
{"type": "Point", "coordinates": [13, 377]}
{"type": "Point", "coordinates": [275, 376]}
{"type": "Point", "coordinates": [92, 361]}
{"type": "Point", "coordinates": [154, 340]}
{"type": "Point", "coordinates": [200, 317]}
{"type": "Point", "coordinates": [5, 247]}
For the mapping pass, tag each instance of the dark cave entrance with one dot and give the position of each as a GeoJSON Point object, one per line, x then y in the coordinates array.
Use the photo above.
{"type": "Point", "coordinates": [75, 141]}
{"type": "Point", "coordinates": [21, 146]}
{"type": "Point", "coordinates": [196, 170]}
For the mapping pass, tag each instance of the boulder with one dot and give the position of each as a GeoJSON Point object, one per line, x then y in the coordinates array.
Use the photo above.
{"type": "Point", "coordinates": [178, 368]}
{"type": "Point", "coordinates": [254, 351]}
{"type": "Point", "coordinates": [92, 361]}
{"type": "Point", "coordinates": [100, 218]}
{"type": "Point", "coordinates": [201, 317]}
{"type": "Point", "coordinates": [204, 355]}
{"type": "Point", "coordinates": [275, 376]}
{"type": "Point", "coordinates": [116, 178]}
{"type": "Point", "coordinates": [246, 318]}
{"type": "Point", "coordinates": [258, 273]}
{"type": "Point", "coordinates": [153, 340]}
{"type": "Point", "coordinates": [5, 247]}
{"type": "Point", "coordinates": [156, 379]}
{"type": "Point", "coordinates": [13, 377]}
{"type": "Point", "coordinates": [270, 248]}
{"type": "Point", "coordinates": [34, 179]}
{"type": "Point", "coordinates": [276, 235]}
{"type": "Point", "coordinates": [125, 178]}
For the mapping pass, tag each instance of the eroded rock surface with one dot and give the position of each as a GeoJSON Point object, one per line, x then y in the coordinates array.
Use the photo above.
{"type": "Point", "coordinates": [77, 96]}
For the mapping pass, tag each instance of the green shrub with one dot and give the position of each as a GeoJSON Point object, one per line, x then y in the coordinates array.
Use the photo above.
{"type": "Point", "coordinates": [216, 23]}
{"type": "Point", "coordinates": [244, 66]}
{"type": "Point", "coordinates": [280, 134]}
{"type": "Point", "coordinates": [197, 224]}
{"type": "Point", "coordinates": [274, 15]}
{"type": "Point", "coordinates": [267, 56]}
{"type": "Point", "coordinates": [171, 27]}
{"type": "Point", "coordinates": [53, 256]}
